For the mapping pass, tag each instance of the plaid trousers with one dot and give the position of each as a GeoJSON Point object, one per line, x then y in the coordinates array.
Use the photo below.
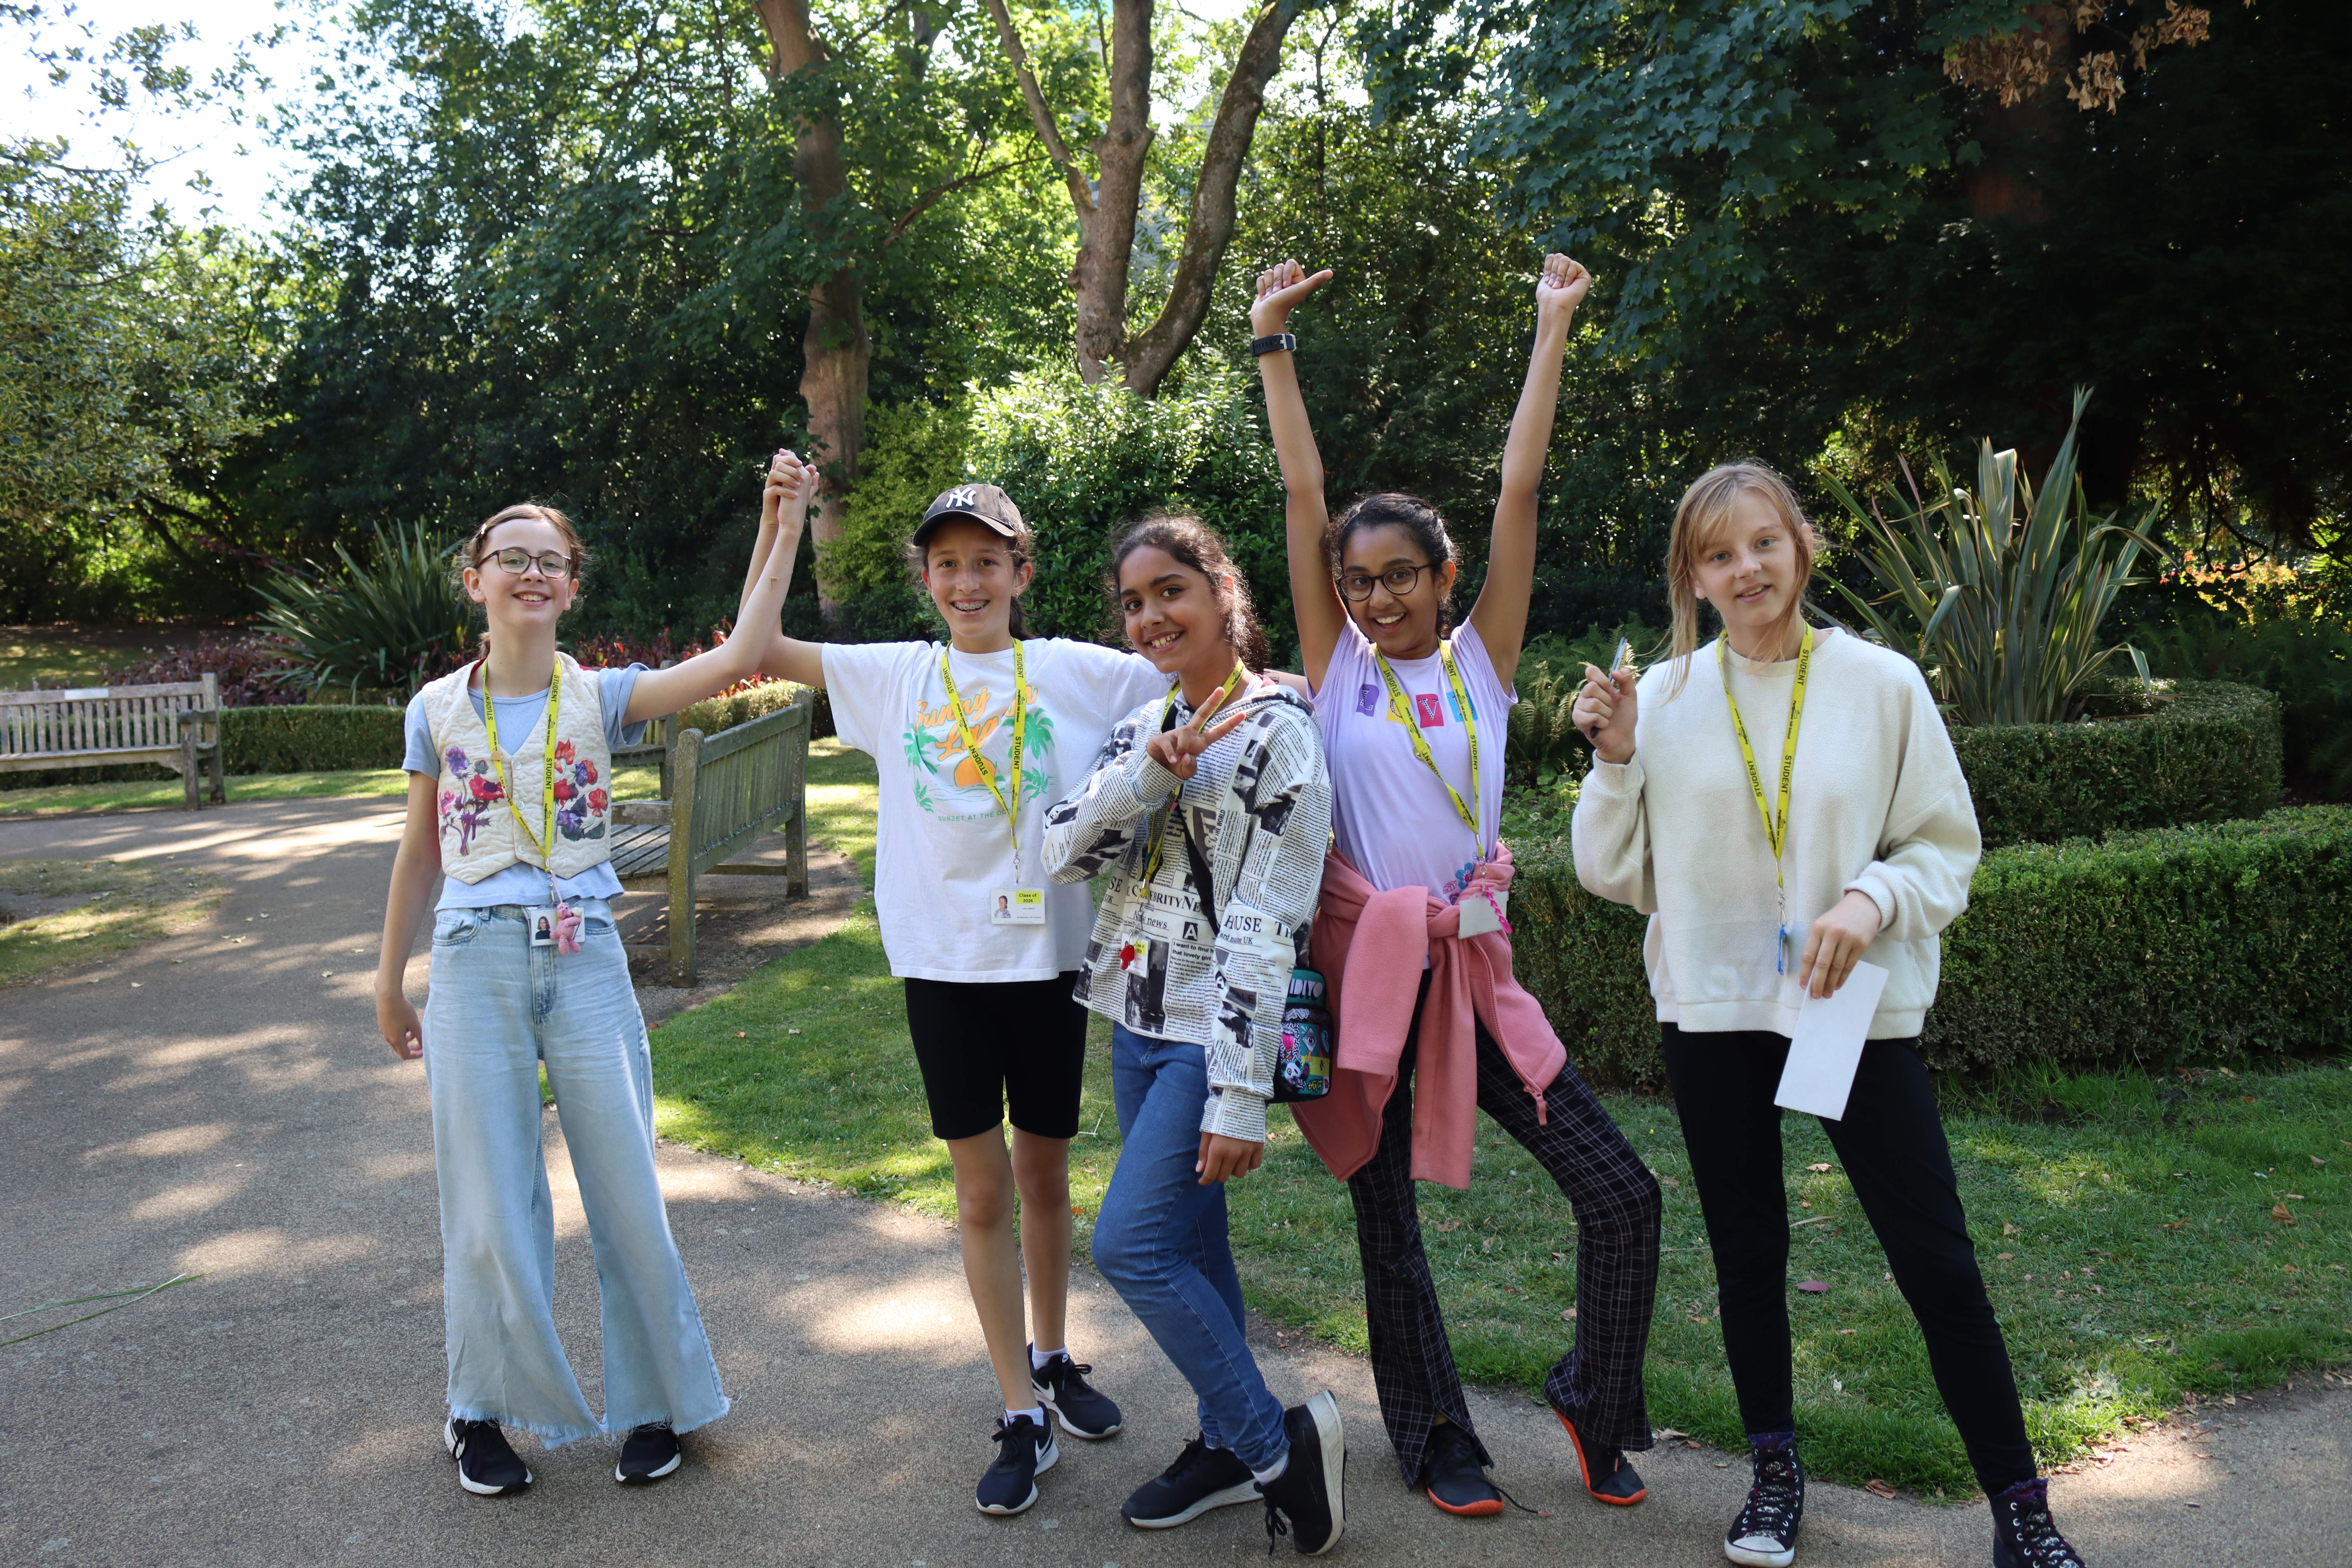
{"type": "Point", "coordinates": [1617, 1207]}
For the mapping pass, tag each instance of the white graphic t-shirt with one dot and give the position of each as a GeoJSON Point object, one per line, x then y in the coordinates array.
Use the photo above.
{"type": "Point", "coordinates": [942, 850]}
{"type": "Point", "coordinates": [1393, 820]}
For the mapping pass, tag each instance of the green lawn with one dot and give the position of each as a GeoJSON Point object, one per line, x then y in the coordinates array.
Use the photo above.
{"type": "Point", "coordinates": [66, 656]}
{"type": "Point", "coordinates": [121, 907]}
{"type": "Point", "coordinates": [2144, 1257]}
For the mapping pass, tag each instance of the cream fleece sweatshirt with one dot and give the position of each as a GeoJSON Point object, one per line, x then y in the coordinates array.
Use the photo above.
{"type": "Point", "coordinates": [1876, 803]}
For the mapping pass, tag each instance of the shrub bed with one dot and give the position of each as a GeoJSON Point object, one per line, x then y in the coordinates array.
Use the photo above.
{"type": "Point", "coordinates": [2211, 753]}
{"type": "Point", "coordinates": [2221, 941]}
{"type": "Point", "coordinates": [307, 736]}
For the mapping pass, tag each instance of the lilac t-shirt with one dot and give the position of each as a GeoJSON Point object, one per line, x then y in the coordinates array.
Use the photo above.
{"type": "Point", "coordinates": [1393, 820]}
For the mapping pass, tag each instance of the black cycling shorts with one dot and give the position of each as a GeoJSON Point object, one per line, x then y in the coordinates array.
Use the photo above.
{"type": "Point", "coordinates": [989, 1046]}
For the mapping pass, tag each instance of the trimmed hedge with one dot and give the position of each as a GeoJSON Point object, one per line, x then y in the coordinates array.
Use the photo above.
{"type": "Point", "coordinates": [2211, 753]}
{"type": "Point", "coordinates": [303, 738]}
{"type": "Point", "coordinates": [2152, 949]}
{"type": "Point", "coordinates": [713, 714]}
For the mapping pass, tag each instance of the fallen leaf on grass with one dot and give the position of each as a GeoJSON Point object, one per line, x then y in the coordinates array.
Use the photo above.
{"type": "Point", "coordinates": [741, 1034]}
{"type": "Point", "coordinates": [2009, 1229]}
{"type": "Point", "coordinates": [1569, 1316]}
{"type": "Point", "coordinates": [2004, 1257]}
{"type": "Point", "coordinates": [1819, 1170]}
{"type": "Point", "coordinates": [2316, 1159]}
{"type": "Point", "coordinates": [1845, 1330]}
{"type": "Point", "coordinates": [1668, 1434]}
{"type": "Point", "coordinates": [1813, 1286]}
{"type": "Point", "coordinates": [2292, 1197]}
{"type": "Point", "coordinates": [1877, 1488]}
{"type": "Point", "coordinates": [2282, 1214]}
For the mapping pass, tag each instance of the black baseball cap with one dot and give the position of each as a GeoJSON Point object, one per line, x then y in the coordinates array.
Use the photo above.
{"type": "Point", "coordinates": [984, 504]}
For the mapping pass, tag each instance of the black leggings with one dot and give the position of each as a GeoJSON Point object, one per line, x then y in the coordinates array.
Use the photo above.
{"type": "Point", "coordinates": [1892, 1145]}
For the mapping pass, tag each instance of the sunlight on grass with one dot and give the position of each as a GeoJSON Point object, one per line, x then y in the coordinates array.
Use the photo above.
{"type": "Point", "coordinates": [114, 907]}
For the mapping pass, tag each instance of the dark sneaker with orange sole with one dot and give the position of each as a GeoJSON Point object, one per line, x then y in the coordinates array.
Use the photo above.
{"type": "Point", "coordinates": [1455, 1475]}
{"type": "Point", "coordinates": [1609, 1476]}
{"type": "Point", "coordinates": [2023, 1535]}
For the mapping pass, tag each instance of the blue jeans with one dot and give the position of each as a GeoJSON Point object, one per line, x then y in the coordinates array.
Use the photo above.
{"type": "Point", "coordinates": [1162, 1242]}
{"type": "Point", "coordinates": [498, 1008]}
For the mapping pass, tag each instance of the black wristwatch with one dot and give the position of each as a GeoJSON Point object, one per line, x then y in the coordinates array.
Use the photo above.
{"type": "Point", "coordinates": [1279, 343]}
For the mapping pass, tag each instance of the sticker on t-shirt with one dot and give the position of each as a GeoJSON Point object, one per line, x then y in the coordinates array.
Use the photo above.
{"type": "Point", "coordinates": [1453, 701]}
{"type": "Point", "coordinates": [1431, 711]}
{"type": "Point", "coordinates": [1368, 699]}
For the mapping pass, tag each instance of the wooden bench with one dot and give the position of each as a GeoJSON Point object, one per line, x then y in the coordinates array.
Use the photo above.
{"type": "Point", "coordinates": [176, 724]}
{"type": "Point", "coordinates": [726, 792]}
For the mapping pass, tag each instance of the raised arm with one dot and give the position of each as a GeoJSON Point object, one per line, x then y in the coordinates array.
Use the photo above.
{"type": "Point", "coordinates": [1501, 613]}
{"type": "Point", "coordinates": [1305, 514]}
{"type": "Point", "coordinates": [660, 692]}
{"type": "Point", "coordinates": [783, 510]}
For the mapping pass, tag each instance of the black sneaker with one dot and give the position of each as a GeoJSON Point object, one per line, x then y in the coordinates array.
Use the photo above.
{"type": "Point", "coordinates": [1765, 1534]}
{"type": "Point", "coordinates": [1456, 1476]}
{"type": "Point", "coordinates": [2022, 1533]}
{"type": "Point", "coordinates": [647, 1454]}
{"type": "Point", "coordinates": [1082, 1410]}
{"type": "Point", "coordinates": [1304, 1501]}
{"type": "Point", "coordinates": [1608, 1475]}
{"type": "Point", "coordinates": [1202, 1478]}
{"type": "Point", "coordinates": [1025, 1450]}
{"type": "Point", "coordinates": [486, 1466]}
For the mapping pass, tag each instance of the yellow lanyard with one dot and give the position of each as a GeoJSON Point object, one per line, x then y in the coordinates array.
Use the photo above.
{"type": "Point", "coordinates": [1776, 831]}
{"type": "Point", "coordinates": [971, 745]}
{"type": "Point", "coordinates": [1402, 707]}
{"type": "Point", "coordinates": [547, 782]}
{"type": "Point", "coordinates": [1159, 818]}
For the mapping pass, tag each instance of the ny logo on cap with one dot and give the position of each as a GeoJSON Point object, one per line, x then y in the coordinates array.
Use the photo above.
{"type": "Point", "coordinates": [964, 495]}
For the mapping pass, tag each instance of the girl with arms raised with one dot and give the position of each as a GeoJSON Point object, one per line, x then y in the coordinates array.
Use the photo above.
{"type": "Point", "coordinates": [508, 839]}
{"type": "Point", "coordinates": [972, 738]}
{"type": "Point", "coordinates": [1209, 807]}
{"type": "Point", "coordinates": [1413, 940]}
{"type": "Point", "coordinates": [1759, 897]}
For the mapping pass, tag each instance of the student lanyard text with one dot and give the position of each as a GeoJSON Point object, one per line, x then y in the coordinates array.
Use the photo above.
{"type": "Point", "coordinates": [972, 744]}
{"type": "Point", "coordinates": [1402, 707]}
{"type": "Point", "coordinates": [1775, 832]}
{"type": "Point", "coordinates": [1159, 818]}
{"type": "Point", "coordinates": [566, 918]}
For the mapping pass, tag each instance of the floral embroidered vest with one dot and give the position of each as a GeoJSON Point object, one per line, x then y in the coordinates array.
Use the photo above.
{"type": "Point", "coordinates": [479, 834]}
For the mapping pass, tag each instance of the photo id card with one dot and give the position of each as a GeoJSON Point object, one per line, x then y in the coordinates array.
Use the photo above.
{"type": "Point", "coordinates": [1017, 907]}
{"type": "Point", "coordinates": [543, 925]}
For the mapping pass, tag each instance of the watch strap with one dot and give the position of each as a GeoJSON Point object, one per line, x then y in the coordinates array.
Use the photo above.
{"type": "Point", "coordinates": [1277, 344]}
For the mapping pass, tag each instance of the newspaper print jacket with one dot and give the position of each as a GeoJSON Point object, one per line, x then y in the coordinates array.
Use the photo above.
{"type": "Point", "coordinates": [1259, 808]}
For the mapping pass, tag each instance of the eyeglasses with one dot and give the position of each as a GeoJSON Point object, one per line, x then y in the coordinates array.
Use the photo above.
{"type": "Point", "coordinates": [520, 561]}
{"type": "Point", "coordinates": [1398, 580]}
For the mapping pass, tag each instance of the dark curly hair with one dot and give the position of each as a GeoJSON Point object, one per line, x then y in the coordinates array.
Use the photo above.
{"type": "Point", "coordinates": [1422, 523]}
{"type": "Point", "coordinates": [1195, 544]}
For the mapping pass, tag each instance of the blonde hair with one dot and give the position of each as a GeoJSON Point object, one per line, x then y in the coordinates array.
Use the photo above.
{"type": "Point", "coordinates": [1704, 511]}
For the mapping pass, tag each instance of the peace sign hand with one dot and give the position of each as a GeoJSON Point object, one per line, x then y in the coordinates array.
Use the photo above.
{"type": "Point", "coordinates": [1280, 290]}
{"type": "Point", "coordinates": [1179, 749]}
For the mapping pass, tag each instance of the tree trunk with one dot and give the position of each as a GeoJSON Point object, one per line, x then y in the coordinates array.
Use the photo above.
{"type": "Point", "coordinates": [835, 351]}
{"type": "Point", "coordinates": [2005, 184]}
{"type": "Point", "coordinates": [1209, 228]}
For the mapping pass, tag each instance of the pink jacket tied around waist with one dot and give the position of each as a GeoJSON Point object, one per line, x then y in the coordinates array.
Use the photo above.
{"type": "Point", "coordinates": [1369, 946]}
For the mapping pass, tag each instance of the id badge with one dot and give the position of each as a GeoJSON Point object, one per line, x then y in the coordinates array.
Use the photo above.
{"type": "Point", "coordinates": [1480, 917]}
{"type": "Point", "coordinates": [1017, 907]}
{"type": "Point", "coordinates": [543, 924]}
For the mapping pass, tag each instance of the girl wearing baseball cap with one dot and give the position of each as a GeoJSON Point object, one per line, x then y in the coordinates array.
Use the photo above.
{"type": "Point", "coordinates": [973, 738]}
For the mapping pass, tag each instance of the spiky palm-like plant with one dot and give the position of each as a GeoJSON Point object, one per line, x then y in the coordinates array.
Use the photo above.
{"type": "Point", "coordinates": [389, 624]}
{"type": "Point", "coordinates": [1998, 593]}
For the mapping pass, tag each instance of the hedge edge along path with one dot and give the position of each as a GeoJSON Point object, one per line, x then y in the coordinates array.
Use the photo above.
{"type": "Point", "coordinates": [2157, 949]}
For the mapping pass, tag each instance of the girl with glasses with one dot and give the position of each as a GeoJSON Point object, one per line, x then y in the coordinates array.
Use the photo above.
{"type": "Point", "coordinates": [508, 841]}
{"type": "Point", "coordinates": [1413, 937]}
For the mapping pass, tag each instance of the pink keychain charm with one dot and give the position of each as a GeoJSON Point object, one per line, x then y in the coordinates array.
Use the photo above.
{"type": "Point", "coordinates": [567, 927]}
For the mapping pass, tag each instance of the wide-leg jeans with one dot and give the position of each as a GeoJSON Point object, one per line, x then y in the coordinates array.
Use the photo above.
{"type": "Point", "coordinates": [498, 1008]}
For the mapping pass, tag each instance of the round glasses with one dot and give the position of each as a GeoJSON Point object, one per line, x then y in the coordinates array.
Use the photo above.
{"type": "Point", "coordinates": [1398, 580]}
{"type": "Point", "coordinates": [550, 564]}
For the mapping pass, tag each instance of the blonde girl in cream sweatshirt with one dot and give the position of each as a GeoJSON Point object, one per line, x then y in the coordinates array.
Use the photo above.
{"type": "Point", "coordinates": [1753, 904]}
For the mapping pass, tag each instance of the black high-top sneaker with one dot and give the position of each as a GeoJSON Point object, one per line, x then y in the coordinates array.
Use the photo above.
{"type": "Point", "coordinates": [2022, 1533]}
{"type": "Point", "coordinates": [1765, 1534]}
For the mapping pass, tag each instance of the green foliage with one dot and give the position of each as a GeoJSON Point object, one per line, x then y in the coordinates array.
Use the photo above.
{"type": "Point", "coordinates": [2307, 661]}
{"type": "Point", "coordinates": [1545, 744]}
{"type": "Point", "coordinates": [392, 624]}
{"type": "Point", "coordinates": [2208, 752]}
{"type": "Point", "coordinates": [2179, 945]}
{"type": "Point", "coordinates": [1997, 595]}
{"type": "Point", "coordinates": [310, 738]}
{"type": "Point", "coordinates": [741, 706]}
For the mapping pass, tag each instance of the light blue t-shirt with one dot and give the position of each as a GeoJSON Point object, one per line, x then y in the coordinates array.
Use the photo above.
{"type": "Point", "coordinates": [521, 884]}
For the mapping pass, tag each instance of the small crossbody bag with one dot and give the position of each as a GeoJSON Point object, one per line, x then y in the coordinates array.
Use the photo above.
{"type": "Point", "coordinates": [1302, 1067]}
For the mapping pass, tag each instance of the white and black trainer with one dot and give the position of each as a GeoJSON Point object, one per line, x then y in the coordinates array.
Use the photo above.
{"type": "Point", "coordinates": [647, 1454]}
{"type": "Point", "coordinates": [1765, 1534]}
{"type": "Point", "coordinates": [487, 1465]}
{"type": "Point", "coordinates": [1304, 1502]}
{"type": "Point", "coordinates": [1025, 1450]}
{"type": "Point", "coordinates": [1084, 1410]}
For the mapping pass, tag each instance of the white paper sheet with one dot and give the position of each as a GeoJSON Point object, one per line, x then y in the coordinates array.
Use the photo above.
{"type": "Point", "coordinates": [1827, 1045]}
